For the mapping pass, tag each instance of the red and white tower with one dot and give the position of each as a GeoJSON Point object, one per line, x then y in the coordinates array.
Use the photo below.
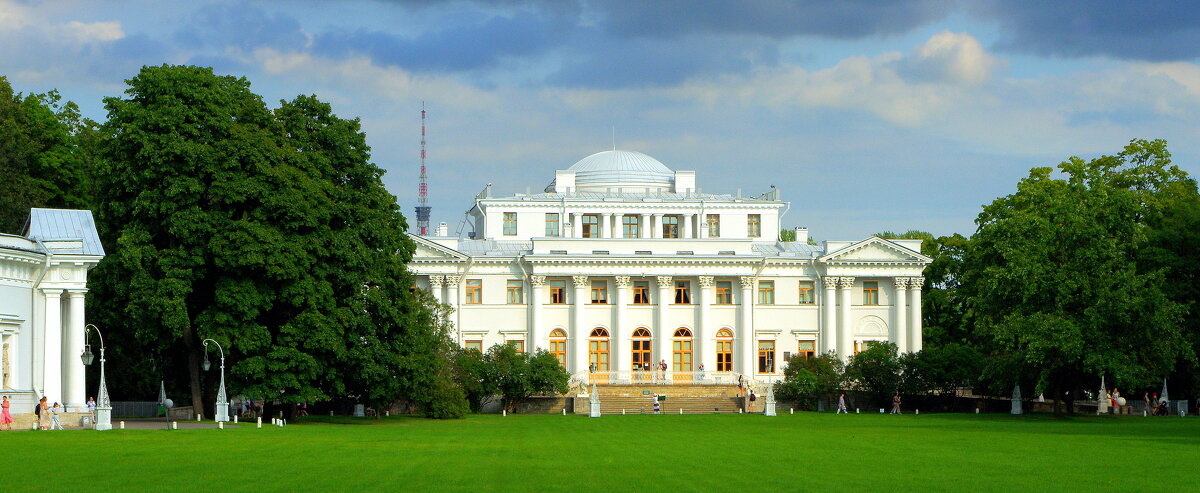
{"type": "Point", "coordinates": [423, 208]}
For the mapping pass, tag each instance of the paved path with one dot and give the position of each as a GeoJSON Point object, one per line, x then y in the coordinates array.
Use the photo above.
{"type": "Point", "coordinates": [160, 424]}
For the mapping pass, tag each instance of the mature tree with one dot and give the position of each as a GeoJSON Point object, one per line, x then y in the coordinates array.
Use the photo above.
{"type": "Point", "coordinates": [270, 232]}
{"type": "Point", "coordinates": [42, 160]}
{"type": "Point", "coordinates": [946, 370]}
{"type": "Point", "coordinates": [1053, 278]}
{"type": "Point", "coordinates": [807, 379]}
{"type": "Point", "coordinates": [876, 370]}
{"type": "Point", "coordinates": [519, 376]}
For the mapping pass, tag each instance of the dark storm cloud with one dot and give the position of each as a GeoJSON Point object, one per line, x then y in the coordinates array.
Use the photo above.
{"type": "Point", "coordinates": [621, 63]}
{"type": "Point", "coordinates": [467, 47]}
{"type": "Point", "coordinates": [1151, 30]}
{"type": "Point", "coordinates": [243, 26]}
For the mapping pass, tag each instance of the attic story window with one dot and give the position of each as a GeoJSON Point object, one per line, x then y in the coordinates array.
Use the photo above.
{"type": "Point", "coordinates": [558, 252]}
{"type": "Point", "coordinates": [643, 252]}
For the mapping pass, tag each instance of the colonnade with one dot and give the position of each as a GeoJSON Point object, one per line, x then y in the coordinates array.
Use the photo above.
{"type": "Point", "coordinates": [691, 225]}
{"type": "Point", "coordinates": [836, 332]}
{"type": "Point", "coordinates": [62, 340]}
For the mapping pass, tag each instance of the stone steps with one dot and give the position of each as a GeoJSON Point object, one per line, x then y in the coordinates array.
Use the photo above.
{"type": "Point", "coordinates": [70, 421]}
{"type": "Point", "coordinates": [672, 405]}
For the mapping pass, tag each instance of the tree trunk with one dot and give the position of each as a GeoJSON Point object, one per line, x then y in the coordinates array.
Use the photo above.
{"type": "Point", "coordinates": [193, 352]}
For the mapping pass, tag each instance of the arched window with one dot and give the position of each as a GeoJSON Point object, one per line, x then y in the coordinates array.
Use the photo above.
{"type": "Point", "coordinates": [681, 350]}
{"type": "Point", "coordinates": [641, 349]}
{"type": "Point", "coordinates": [724, 350]}
{"type": "Point", "coordinates": [558, 346]}
{"type": "Point", "coordinates": [598, 350]}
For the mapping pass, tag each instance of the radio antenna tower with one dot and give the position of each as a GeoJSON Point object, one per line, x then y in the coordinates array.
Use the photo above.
{"type": "Point", "coordinates": [423, 188]}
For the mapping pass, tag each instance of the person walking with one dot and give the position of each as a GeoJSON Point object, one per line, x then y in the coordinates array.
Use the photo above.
{"type": "Point", "coordinates": [842, 404]}
{"type": "Point", "coordinates": [1146, 398]}
{"type": "Point", "coordinates": [91, 407]}
{"type": "Point", "coordinates": [656, 404]}
{"type": "Point", "coordinates": [896, 403]}
{"type": "Point", "coordinates": [55, 424]}
{"type": "Point", "coordinates": [6, 418]}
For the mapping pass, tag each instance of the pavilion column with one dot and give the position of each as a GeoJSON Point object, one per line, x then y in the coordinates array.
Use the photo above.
{"type": "Point", "coordinates": [452, 282]}
{"type": "Point", "coordinates": [829, 339]}
{"type": "Point", "coordinates": [900, 315]}
{"type": "Point", "coordinates": [75, 386]}
{"type": "Point", "coordinates": [656, 232]}
{"type": "Point", "coordinates": [914, 313]}
{"type": "Point", "coordinates": [704, 330]}
{"type": "Point", "coordinates": [744, 336]}
{"type": "Point", "coordinates": [701, 228]}
{"type": "Point", "coordinates": [537, 335]}
{"type": "Point", "coordinates": [620, 349]}
{"type": "Point", "coordinates": [577, 225]}
{"type": "Point", "coordinates": [644, 226]}
{"type": "Point", "coordinates": [579, 331]}
{"type": "Point", "coordinates": [52, 347]}
{"type": "Point", "coordinates": [436, 282]}
{"type": "Point", "coordinates": [662, 329]}
{"type": "Point", "coordinates": [686, 219]}
{"type": "Point", "coordinates": [845, 332]}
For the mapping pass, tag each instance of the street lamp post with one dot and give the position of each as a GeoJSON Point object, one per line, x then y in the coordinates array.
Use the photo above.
{"type": "Point", "coordinates": [222, 411]}
{"type": "Point", "coordinates": [103, 405]}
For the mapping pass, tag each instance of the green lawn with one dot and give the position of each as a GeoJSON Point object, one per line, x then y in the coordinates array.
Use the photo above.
{"type": "Point", "coordinates": [930, 452]}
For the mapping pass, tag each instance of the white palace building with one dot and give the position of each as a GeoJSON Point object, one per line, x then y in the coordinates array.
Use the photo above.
{"type": "Point", "coordinates": [623, 263]}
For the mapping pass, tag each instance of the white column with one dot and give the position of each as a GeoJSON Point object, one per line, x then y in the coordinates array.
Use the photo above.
{"type": "Point", "coordinates": [845, 331]}
{"type": "Point", "coordinates": [619, 350]}
{"type": "Point", "coordinates": [537, 334]}
{"type": "Point", "coordinates": [702, 228]}
{"type": "Point", "coordinates": [579, 331]}
{"type": "Point", "coordinates": [829, 341]}
{"type": "Point", "coordinates": [687, 225]}
{"type": "Point", "coordinates": [657, 231]}
{"type": "Point", "coordinates": [52, 365]}
{"type": "Point", "coordinates": [435, 286]}
{"type": "Point", "coordinates": [644, 227]}
{"type": "Point", "coordinates": [606, 226]}
{"type": "Point", "coordinates": [75, 387]}
{"type": "Point", "coordinates": [452, 300]}
{"type": "Point", "coordinates": [662, 329]}
{"type": "Point", "coordinates": [900, 315]}
{"type": "Point", "coordinates": [914, 313]}
{"type": "Point", "coordinates": [744, 336]}
{"type": "Point", "coordinates": [704, 330]}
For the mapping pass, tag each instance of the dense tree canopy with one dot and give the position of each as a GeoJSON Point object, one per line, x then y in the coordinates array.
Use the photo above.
{"type": "Point", "coordinates": [42, 159]}
{"type": "Point", "coordinates": [269, 231]}
{"type": "Point", "coordinates": [1053, 278]}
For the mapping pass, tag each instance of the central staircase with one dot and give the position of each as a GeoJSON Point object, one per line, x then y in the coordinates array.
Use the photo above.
{"type": "Point", "coordinates": [691, 399]}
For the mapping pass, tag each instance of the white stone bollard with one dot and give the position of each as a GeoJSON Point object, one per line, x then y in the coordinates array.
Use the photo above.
{"type": "Point", "coordinates": [197, 417]}
{"type": "Point", "coordinates": [564, 411]}
{"type": "Point", "coordinates": [918, 411]}
{"type": "Point", "coordinates": [791, 410]}
{"type": "Point", "coordinates": [1143, 414]}
{"type": "Point", "coordinates": [622, 412]}
{"type": "Point", "coordinates": [504, 412]}
{"type": "Point", "coordinates": [174, 425]}
{"type": "Point", "coordinates": [122, 423]}
{"type": "Point", "coordinates": [681, 411]}
{"type": "Point", "coordinates": [856, 410]}
{"type": "Point", "coordinates": [741, 410]}
{"type": "Point", "coordinates": [260, 421]}
{"type": "Point", "coordinates": [282, 423]}
{"type": "Point", "coordinates": [331, 413]}
{"type": "Point", "coordinates": [235, 419]}
{"type": "Point", "coordinates": [220, 425]}
{"type": "Point", "coordinates": [976, 410]}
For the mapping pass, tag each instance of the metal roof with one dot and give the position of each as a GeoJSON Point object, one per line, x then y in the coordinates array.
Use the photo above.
{"type": "Point", "coordinates": [654, 196]}
{"type": "Point", "coordinates": [65, 224]}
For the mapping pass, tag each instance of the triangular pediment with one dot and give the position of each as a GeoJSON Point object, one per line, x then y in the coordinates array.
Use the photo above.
{"type": "Point", "coordinates": [430, 250]}
{"type": "Point", "coordinates": [875, 249]}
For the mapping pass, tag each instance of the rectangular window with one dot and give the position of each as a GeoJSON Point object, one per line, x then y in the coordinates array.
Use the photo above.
{"type": "Point", "coordinates": [724, 292]}
{"type": "Point", "coordinates": [518, 345]}
{"type": "Point", "coordinates": [474, 292]}
{"type": "Point", "coordinates": [724, 355]}
{"type": "Point", "coordinates": [766, 292]}
{"type": "Point", "coordinates": [510, 223]}
{"type": "Point", "coordinates": [670, 226]}
{"type": "Point", "coordinates": [807, 290]}
{"type": "Point", "coordinates": [558, 292]}
{"type": "Point", "coordinates": [515, 292]}
{"type": "Point", "coordinates": [630, 226]}
{"type": "Point", "coordinates": [714, 225]}
{"type": "Point", "coordinates": [599, 292]}
{"type": "Point", "coordinates": [807, 350]}
{"type": "Point", "coordinates": [871, 293]}
{"type": "Point", "coordinates": [754, 225]}
{"type": "Point", "coordinates": [641, 292]}
{"type": "Point", "coordinates": [551, 224]}
{"type": "Point", "coordinates": [591, 226]}
{"type": "Point", "coordinates": [475, 345]}
{"type": "Point", "coordinates": [766, 356]}
{"type": "Point", "coordinates": [558, 347]}
{"type": "Point", "coordinates": [683, 295]}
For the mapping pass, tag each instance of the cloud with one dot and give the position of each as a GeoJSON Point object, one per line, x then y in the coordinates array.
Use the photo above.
{"type": "Point", "coordinates": [952, 57]}
{"type": "Point", "coordinates": [88, 32]}
{"type": "Point", "coordinates": [1152, 31]}
{"type": "Point", "coordinates": [243, 26]}
{"type": "Point", "coordinates": [618, 64]}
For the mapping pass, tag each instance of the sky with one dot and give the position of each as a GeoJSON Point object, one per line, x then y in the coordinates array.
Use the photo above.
{"type": "Point", "coordinates": [868, 116]}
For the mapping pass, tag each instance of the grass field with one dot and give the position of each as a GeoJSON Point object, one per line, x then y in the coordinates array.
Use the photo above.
{"type": "Point", "coordinates": [868, 452]}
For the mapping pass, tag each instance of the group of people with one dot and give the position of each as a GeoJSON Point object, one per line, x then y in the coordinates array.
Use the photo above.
{"type": "Point", "coordinates": [47, 414]}
{"type": "Point", "coordinates": [842, 404]}
{"type": "Point", "coordinates": [1155, 406]}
